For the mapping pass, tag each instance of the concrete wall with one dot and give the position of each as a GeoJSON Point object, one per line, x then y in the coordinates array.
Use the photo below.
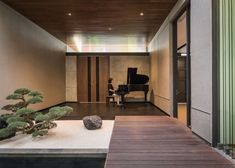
{"type": "Point", "coordinates": [118, 71]}
{"type": "Point", "coordinates": [71, 79]}
{"type": "Point", "coordinates": [201, 67]}
{"type": "Point", "coordinates": [30, 57]}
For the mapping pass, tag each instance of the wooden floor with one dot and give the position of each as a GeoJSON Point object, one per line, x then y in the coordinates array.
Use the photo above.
{"type": "Point", "coordinates": [159, 142]}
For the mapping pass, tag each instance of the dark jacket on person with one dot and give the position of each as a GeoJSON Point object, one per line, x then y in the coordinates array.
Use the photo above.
{"type": "Point", "coordinates": [110, 87]}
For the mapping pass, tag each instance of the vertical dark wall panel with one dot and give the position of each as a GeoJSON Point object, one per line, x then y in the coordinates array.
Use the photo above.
{"type": "Point", "coordinates": [89, 78]}
{"type": "Point", "coordinates": [93, 74]}
{"type": "Point", "coordinates": [103, 77]}
{"type": "Point", "coordinates": [97, 79]}
{"type": "Point", "coordinates": [82, 78]}
{"type": "Point", "coordinates": [181, 79]}
{"type": "Point", "coordinates": [93, 79]}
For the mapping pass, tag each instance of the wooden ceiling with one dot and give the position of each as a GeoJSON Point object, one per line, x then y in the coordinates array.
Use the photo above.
{"type": "Point", "coordinates": [95, 16]}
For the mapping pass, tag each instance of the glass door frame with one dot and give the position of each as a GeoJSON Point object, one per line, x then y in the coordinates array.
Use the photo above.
{"type": "Point", "coordinates": [215, 73]}
{"type": "Point", "coordinates": [185, 8]}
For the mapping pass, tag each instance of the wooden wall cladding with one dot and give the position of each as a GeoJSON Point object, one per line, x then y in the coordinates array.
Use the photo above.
{"type": "Point", "coordinates": [181, 80]}
{"type": "Point", "coordinates": [82, 79]}
{"type": "Point", "coordinates": [93, 79]}
{"type": "Point", "coordinates": [104, 73]}
{"type": "Point", "coordinates": [93, 74]}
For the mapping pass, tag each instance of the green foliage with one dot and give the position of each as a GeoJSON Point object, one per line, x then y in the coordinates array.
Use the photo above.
{"type": "Point", "coordinates": [19, 105]}
{"type": "Point", "coordinates": [14, 96]}
{"type": "Point", "coordinates": [39, 133]}
{"type": "Point", "coordinates": [26, 120]}
{"type": "Point", "coordinates": [34, 97]}
{"type": "Point", "coordinates": [6, 133]}
{"type": "Point", "coordinates": [42, 117]}
{"type": "Point", "coordinates": [14, 119]}
{"type": "Point", "coordinates": [14, 107]}
{"type": "Point", "coordinates": [5, 116]}
{"type": "Point", "coordinates": [35, 94]}
{"type": "Point", "coordinates": [18, 125]}
{"type": "Point", "coordinates": [58, 112]}
{"type": "Point", "coordinates": [25, 111]}
{"type": "Point", "coordinates": [34, 100]}
{"type": "Point", "coordinates": [54, 113]}
{"type": "Point", "coordinates": [9, 107]}
{"type": "Point", "coordinates": [22, 91]}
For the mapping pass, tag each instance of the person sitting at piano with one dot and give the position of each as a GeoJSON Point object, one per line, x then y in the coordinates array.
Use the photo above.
{"type": "Point", "coordinates": [112, 91]}
{"type": "Point", "coordinates": [110, 87]}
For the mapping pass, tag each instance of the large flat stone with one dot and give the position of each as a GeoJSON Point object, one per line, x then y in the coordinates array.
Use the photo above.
{"type": "Point", "coordinates": [70, 137]}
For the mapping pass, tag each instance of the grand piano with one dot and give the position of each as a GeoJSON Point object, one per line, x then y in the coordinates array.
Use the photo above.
{"type": "Point", "coordinates": [135, 82]}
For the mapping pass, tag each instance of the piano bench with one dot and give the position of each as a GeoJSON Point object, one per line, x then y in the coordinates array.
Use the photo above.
{"type": "Point", "coordinates": [108, 98]}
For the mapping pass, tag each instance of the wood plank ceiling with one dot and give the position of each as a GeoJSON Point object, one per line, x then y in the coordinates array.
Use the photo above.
{"type": "Point", "coordinates": [105, 17]}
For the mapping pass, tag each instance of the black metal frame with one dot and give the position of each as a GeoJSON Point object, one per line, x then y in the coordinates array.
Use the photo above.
{"type": "Point", "coordinates": [97, 59]}
{"type": "Point", "coordinates": [215, 73]}
{"type": "Point", "coordinates": [95, 54]}
{"type": "Point", "coordinates": [185, 8]}
{"type": "Point", "coordinates": [174, 60]}
{"type": "Point", "coordinates": [188, 66]}
{"type": "Point", "coordinates": [89, 78]}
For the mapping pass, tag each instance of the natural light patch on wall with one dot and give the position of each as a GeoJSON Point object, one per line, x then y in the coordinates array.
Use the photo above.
{"type": "Point", "coordinates": [106, 43]}
{"type": "Point", "coordinates": [71, 79]}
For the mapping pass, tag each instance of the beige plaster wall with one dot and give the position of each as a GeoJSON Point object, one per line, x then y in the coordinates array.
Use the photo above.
{"type": "Point", "coordinates": [30, 57]}
{"type": "Point", "coordinates": [161, 71]}
{"type": "Point", "coordinates": [201, 68]}
{"type": "Point", "coordinates": [118, 71]}
{"type": "Point", "coordinates": [71, 79]}
{"type": "Point", "coordinates": [181, 31]}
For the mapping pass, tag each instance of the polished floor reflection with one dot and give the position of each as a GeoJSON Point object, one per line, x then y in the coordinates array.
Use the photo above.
{"type": "Point", "coordinates": [108, 112]}
{"type": "Point", "coordinates": [182, 113]}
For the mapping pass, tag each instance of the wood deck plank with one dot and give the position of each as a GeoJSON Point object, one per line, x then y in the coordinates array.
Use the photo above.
{"type": "Point", "coordinates": [159, 142]}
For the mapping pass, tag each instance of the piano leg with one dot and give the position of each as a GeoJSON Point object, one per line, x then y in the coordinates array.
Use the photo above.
{"type": "Point", "coordinates": [145, 96]}
{"type": "Point", "coordinates": [123, 100]}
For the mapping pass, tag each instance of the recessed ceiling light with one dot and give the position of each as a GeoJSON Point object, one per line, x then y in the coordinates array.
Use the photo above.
{"type": "Point", "coordinates": [110, 28]}
{"type": "Point", "coordinates": [70, 14]}
{"type": "Point", "coordinates": [141, 14]}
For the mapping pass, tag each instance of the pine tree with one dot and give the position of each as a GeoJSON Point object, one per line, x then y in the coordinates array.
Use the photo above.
{"type": "Point", "coordinates": [26, 120]}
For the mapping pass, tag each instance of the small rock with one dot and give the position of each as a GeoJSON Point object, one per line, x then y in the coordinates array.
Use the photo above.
{"type": "Point", "coordinates": [92, 122]}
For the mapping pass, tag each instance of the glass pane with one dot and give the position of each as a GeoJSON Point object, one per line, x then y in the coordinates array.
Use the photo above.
{"type": "Point", "coordinates": [106, 43]}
